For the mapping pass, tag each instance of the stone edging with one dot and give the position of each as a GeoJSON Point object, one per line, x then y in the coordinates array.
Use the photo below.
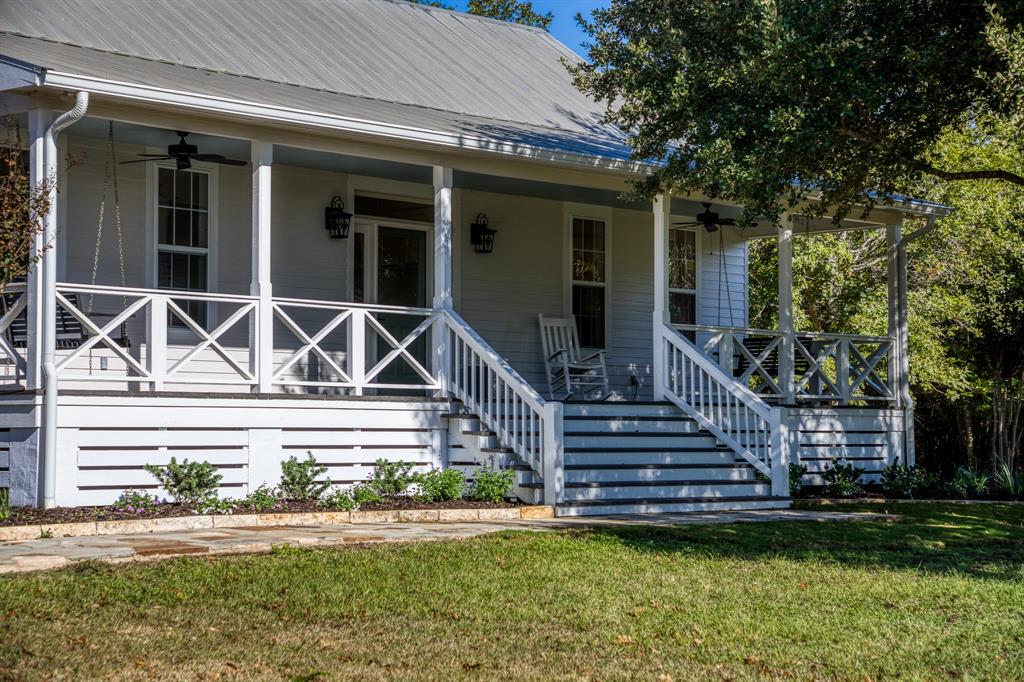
{"type": "Point", "coordinates": [160, 525]}
{"type": "Point", "coordinates": [825, 501]}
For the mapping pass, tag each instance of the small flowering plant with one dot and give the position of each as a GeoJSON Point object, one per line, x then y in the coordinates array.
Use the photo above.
{"type": "Point", "coordinates": [135, 502]}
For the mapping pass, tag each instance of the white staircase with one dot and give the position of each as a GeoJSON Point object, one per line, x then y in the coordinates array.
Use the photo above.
{"type": "Point", "coordinates": [625, 458]}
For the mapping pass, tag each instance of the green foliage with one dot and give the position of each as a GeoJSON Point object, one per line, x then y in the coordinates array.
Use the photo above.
{"type": "Point", "coordinates": [968, 483]}
{"type": "Point", "coordinates": [338, 499]}
{"type": "Point", "coordinates": [135, 502]}
{"type": "Point", "coordinates": [5, 504]}
{"type": "Point", "coordinates": [365, 494]}
{"type": "Point", "coordinates": [491, 484]}
{"type": "Point", "coordinates": [22, 208]}
{"type": "Point", "coordinates": [440, 485]}
{"type": "Point", "coordinates": [842, 479]}
{"type": "Point", "coordinates": [391, 479]}
{"type": "Point", "coordinates": [796, 478]}
{"type": "Point", "coordinates": [217, 506]}
{"type": "Point", "coordinates": [1008, 483]}
{"type": "Point", "coordinates": [773, 104]}
{"type": "Point", "coordinates": [188, 482]}
{"type": "Point", "coordinates": [299, 478]}
{"type": "Point", "coordinates": [515, 11]}
{"type": "Point", "coordinates": [263, 499]}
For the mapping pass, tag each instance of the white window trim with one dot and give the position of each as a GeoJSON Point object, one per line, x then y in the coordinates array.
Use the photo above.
{"type": "Point", "coordinates": [696, 265]}
{"type": "Point", "coordinates": [571, 212]}
{"type": "Point", "coordinates": [153, 247]}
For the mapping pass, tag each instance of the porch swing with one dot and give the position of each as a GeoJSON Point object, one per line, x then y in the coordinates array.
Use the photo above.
{"type": "Point", "coordinates": [70, 334]}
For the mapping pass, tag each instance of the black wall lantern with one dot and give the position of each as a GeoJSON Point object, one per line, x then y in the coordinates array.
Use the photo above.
{"type": "Point", "coordinates": [480, 235]}
{"type": "Point", "coordinates": [337, 220]}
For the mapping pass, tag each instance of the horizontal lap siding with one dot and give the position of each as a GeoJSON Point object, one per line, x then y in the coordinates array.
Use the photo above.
{"type": "Point", "coordinates": [869, 439]}
{"type": "Point", "coordinates": [722, 287]}
{"type": "Point", "coordinates": [632, 301]}
{"type": "Point", "coordinates": [104, 443]}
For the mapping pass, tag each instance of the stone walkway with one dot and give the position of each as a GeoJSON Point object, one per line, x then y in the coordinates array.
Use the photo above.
{"type": "Point", "coordinates": [34, 555]}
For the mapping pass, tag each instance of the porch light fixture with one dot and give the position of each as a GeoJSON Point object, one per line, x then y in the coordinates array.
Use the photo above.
{"type": "Point", "coordinates": [337, 220]}
{"type": "Point", "coordinates": [480, 235]}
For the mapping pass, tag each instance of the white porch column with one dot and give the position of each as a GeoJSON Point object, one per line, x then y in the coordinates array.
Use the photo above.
{"type": "Point", "coordinates": [442, 269]}
{"type": "Point", "coordinates": [662, 220]}
{"type": "Point", "coordinates": [892, 240]}
{"type": "Point", "coordinates": [38, 121]}
{"type": "Point", "coordinates": [788, 345]}
{"type": "Point", "coordinates": [903, 352]}
{"type": "Point", "coordinates": [261, 338]}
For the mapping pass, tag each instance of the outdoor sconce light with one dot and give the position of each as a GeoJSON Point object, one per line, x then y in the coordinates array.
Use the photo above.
{"type": "Point", "coordinates": [481, 236]}
{"type": "Point", "coordinates": [337, 220]}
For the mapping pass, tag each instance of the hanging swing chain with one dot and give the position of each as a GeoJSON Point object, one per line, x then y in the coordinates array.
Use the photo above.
{"type": "Point", "coordinates": [109, 178]}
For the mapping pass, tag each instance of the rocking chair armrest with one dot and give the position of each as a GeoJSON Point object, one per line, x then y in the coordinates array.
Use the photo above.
{"type": "Point", "coordinates": [595, 354]}
{"type": "Point", "coordinates": [554, 355]}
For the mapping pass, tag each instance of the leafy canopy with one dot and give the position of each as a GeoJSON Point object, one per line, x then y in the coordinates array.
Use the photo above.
{"type": "Point", "coordinates": [769, 102]}
{"type": "Point", "coordinates": [515, 11]}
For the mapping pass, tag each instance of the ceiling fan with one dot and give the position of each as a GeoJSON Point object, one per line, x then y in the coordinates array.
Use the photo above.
{"type": "Point", "coordinates": [184, 154]}
{"type": "Point", "coordinates": [709, 220]}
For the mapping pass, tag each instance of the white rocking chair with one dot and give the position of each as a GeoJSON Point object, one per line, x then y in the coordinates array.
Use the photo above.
{"type": "Point", "coordinates": [568, 369]}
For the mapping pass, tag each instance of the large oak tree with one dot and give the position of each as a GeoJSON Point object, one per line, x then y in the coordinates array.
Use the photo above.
{"type": "Point", "coordinates": [773, 102]}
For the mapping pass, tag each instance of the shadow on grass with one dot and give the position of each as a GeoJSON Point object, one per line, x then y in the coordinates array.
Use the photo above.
{"type": "Point", "coordinates": [982, 542]}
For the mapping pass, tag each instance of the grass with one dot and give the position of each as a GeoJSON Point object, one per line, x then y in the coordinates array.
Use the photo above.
{"type": "Point", "coordinates": [938, 595]}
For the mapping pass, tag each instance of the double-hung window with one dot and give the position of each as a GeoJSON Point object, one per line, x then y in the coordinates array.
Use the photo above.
{"type": "Point", "coordinates": [682, 276]}
{"type": "Point", "coordinates": [589, 280]}
{"type": "Point", "coordinates": [183, 236]}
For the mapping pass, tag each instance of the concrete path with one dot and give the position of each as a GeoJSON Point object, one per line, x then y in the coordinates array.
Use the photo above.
{"type": "Point", "coordinates": [34, 555]}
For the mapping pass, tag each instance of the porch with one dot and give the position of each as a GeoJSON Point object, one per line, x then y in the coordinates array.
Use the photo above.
{"type": "Point", "coordinates": [405, 312]}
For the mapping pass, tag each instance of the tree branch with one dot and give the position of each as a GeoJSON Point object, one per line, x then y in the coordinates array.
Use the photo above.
{"type": "Point", "coordinates": [996, 174]}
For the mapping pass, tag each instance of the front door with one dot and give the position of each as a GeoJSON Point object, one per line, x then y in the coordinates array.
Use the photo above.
{"type": "Point", "coordinates": [401, 280]}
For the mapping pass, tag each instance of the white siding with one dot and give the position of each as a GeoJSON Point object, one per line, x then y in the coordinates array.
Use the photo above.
{"type": "Point", "coordinates": [722, 288]}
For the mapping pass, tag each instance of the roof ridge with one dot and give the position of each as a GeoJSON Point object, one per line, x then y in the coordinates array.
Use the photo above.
{"type": "Point", "coordinates": [295, 85]}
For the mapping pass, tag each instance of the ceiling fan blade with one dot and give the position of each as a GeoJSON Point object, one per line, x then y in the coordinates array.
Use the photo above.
{"type": "Point", "coordinates": [155, 158]}
{"type": "Point", "coordinates": [691, 223]}
{"type": "Point", "coordinates": [226, 162]}
{"type": "Point", "coordinates": [729, 222]}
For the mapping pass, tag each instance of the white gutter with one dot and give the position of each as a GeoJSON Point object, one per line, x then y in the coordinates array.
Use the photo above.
{"type": "Point", "coordinates": [335, 122]}
{"type": "Point", "coordinates": [49, 299]}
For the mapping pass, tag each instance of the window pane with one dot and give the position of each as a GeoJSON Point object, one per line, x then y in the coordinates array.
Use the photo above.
{"type": "Point", "coordinates": [682, 259]}
{"type": "Point", "coordinates": [165, 218]}
{"type": "Point", "coordinates": [163, 270]}
{"type": "Point", "coordinates": [682, 308]}
{"type": "Point", "coordinates": [359, 269]}
{"type": "Point", "coordinates": [588, 309]}
{"type": "Point", "coordinates": [179, 270]}
{"type": "Point", "coordinates": [200, 191]}
{"type": "Point", "coordinates": [200, 231]}
{"type": "Point", "coordinates": [166, 181]}
{"type": "Point", "coordinates": [197, 272]}
{"type": "Point", "coordinates": [182, 228]}
{"type": "Point", "coordinates": [182, 189]}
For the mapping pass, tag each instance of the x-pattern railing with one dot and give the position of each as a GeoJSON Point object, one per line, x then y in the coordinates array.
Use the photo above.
{"type": "Point", "coordinates": [210, 339]}
{"type": "Point", "coordinates": [14, 363]}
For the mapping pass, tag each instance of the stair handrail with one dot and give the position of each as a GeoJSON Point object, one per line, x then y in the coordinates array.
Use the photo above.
{"type": "Point", "coordinates": [737, 416]}
{"type": "Point", "coordinates": [505, 402]}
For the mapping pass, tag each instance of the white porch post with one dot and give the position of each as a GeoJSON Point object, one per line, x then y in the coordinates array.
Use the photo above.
{"type": "Point", "coordinates": [261, 338]}
{"type": "Point", "coordinates": [903, 352]}
{"type": "Point", "coordinates": [442, 269]}
{"type": "Point", "coordinates": [662, 220]}
{"type": "Point", "coordinates": [892, 240]}
{"type": "Point", "coordinates": [38, 121]}
{"type": "Point", "coordinates": [788, 345]}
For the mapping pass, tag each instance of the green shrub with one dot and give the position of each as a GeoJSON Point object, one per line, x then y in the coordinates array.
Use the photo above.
{"type": "Point", "coordinates": [968, 483]}
{"type": "Point", "coordinates": [441, 485]}
{"type": "Point", "coordinates": [5, 504]}
{"type": "Point", "coordinates": [298, 478]}
{"type": "Point", "coordinates": [338, 499]}
{"type": "Point", "coordinates": [134, 502]}
{"type": "Point", "coordinates": [263, 499]}
{"type": "Point", "coordinates": [188, 482]}
{"type": "Point", "coordinates": [364, 494]}
{"type": "Point", "coordinates": [899, 480]}
{"type": "Point", "coordinates": [796, 478]}
{"type": "Point", "coordinates": [491, 484]}
{"type": "Point", "coordinates": [842, 479]}
{"type": "Point", "coordinates": [1008, 483]}
{"type": "Point", "coordinates": [391, 479]}
{"type": "Point", "coordinates": [215, 505]}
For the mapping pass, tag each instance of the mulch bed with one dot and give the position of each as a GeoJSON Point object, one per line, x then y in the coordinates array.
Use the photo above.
{"type": "Point", "coordinates": [29, 516]}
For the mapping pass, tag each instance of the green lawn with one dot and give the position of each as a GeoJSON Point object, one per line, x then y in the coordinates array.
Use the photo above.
{"type": "Point", "coordinates": [939, 595]}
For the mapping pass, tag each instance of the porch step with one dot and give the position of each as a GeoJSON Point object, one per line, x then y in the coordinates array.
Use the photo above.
{"type": "Point", "coordinates": [669, 506]}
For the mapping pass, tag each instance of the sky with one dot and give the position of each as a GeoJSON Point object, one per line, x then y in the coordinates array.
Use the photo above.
{"type": "Point", "coordinates": [564, 26]}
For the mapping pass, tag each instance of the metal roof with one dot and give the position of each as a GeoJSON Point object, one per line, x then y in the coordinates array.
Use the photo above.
{"type": "Point", "coordinates": [381, 60]}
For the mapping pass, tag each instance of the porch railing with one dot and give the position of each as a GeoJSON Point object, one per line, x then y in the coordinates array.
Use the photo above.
{"type": "Point", "coordinates": [505, 402]}
{"type": "Point", "coordinates": [827, 368]}
{"type": "Point", "coordinates": [733, 413]}
{"type": "Point", "coordinates": [156, 339]}
{"type": "Point", "coordinates": [13, 360]}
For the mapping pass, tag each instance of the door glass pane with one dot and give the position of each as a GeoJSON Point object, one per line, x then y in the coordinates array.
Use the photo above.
{"type": "Point", "coordinates": [682, 308]}
{"type": "Point", "coordinates": [402, 271]}
{"type": "Point", "coordinates": [588, 309]}
{"type": "Point", "coordinates": [359, 269]}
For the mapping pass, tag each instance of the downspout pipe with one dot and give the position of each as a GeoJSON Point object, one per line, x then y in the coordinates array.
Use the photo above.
{"type": "Point", "coordinates": [49, 300]}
